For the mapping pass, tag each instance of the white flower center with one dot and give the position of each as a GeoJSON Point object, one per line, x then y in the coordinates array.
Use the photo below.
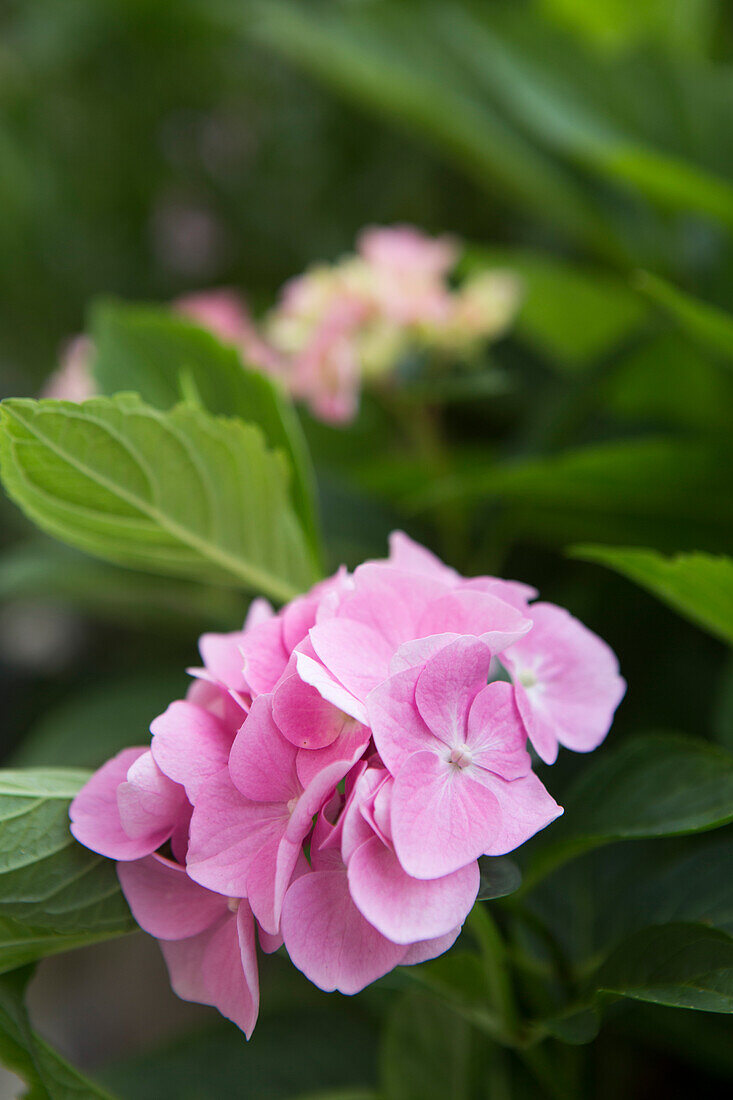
{"type": "Point", "coordinates": [527, 678]}
{"type": "Point", "coordinates": [461, 756]}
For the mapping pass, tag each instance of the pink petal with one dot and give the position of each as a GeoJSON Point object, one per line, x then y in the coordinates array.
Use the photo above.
{"type": "Point", "coordinates": [496, 734]}
{"type": "Point", "coordinates": [419, 651]}
{"type": "Point", "coordinates": [219, 968]}
{"type": "Point", "coordinates": [227, 832]}
{"type": "Point", "coordinates": [348, 746]}
{"type": "Point", "coordinates": [329, 940]}
{"type": "Point", "coordinates": [264, 655]}
{"type": "Point", "coordinates": [391, 602]}
{"type": "Point", "coordinates": [149, 802]}
{"type": "Point", "coordinates": [259, 611]}
{"type": "Point", "coordinates": [447, 686]}
{"type": "Point", "coordinates": [442, 818]}
{"type": "Point", "coordinates": [481, 614]}
{"type": "Point", "coordinates": [223, 658]}
{"type": "Point", "coordinates": [165, 902]}
{"type": "Point", "coordinates": [262, 762]}
{"type": "Point", "coordinates": [430, 949]}
{"type": "Point", "coordinates": [406, 909]}
{"type": "Point", "coordinates": [356, 654]}
{"type": "Point", "coordinates": [95, 816]}
{"type": "Point", "coordinates": [526, 807]}
{"type": "Point", "coordinates": [567, 682]}
{"type": "Point", "coordinates": [190, 745]}
{"type": "Point", "coordinates": [313, 672]}
{"type": "Point", "coordinates": [411, 557]}
{"type": "Point", "coordinates": [303, 716]}
{"type": "Point", "coordinates": [397, 727]}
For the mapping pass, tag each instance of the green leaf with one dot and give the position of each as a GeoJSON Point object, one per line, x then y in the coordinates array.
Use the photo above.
{"type": "Point", "coordinates": [293, 1053]}
{"type": "Point", "coordinates": [709, 326]}
{"type": "Point", "coordinates": [426, 1052]}
{"type": "Point", "coordinates": [669, 380]}
{"type": "Point", "coordinates": [178, 492]}
{"type": "Point", "coordinates": [569, 312]}
{"type": "Point", "coordinates": [47, 1075]}
{"type": "Point", "coordinates": [682, 965]}
{"type": "Point", "coordinates": [380, 55]}
{"type": "Point", "coordinates": [670, 494]}
{"type": "Point", "coordinates": [96, 722]}
{"type": "Point", "coordinates": [699, 586]}
{"type": "Point", "coordinates": [44, 570]}
{"type": "Point", "coordinates": [651, 786]}
{"type": "Point", "coordinates": [499, 877]}
{"type": "Point", "coordinates": [54, 894]}
{"type": "Point", "coordinates": [151, 351]}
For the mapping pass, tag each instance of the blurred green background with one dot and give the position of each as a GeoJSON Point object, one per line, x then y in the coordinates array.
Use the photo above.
{"type": "Point", "coordinates": [150, 149]}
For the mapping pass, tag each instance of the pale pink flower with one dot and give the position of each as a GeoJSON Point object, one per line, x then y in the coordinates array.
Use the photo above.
{"type": "Point", "coordinates": [566, 681]}
{"type": "Point", "coordinates": [224, 312]}
{"type": "Point", "coordinates": [73, 379]}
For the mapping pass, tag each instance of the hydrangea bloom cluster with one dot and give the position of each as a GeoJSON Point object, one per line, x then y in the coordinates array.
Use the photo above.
{"type": "Point", "coordinates": [336, 770]}
{"type": "Point", "coordinates": [337, 325]}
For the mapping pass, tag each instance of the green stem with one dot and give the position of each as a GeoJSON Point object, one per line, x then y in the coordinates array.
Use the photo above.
{"type": "Point", "coordinates": [493, 955]}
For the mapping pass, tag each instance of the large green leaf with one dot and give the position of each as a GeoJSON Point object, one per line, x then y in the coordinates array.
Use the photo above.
{"type": "Point", "coordinates": [652, 786]}
{"type": "Point", "coordinates": [671, 494]}
{"type": "Point", "coordinates": [165, 358]}
{"type": "Point", "coordinates": [54, 894]}
{"type": "Point", "coordinates": [179, 492]}
{"type": "Point", "coordinates": [699, 586]}
{"type": "Point", "coordinates": [683, 965]}
{"type": "Point", "coordinates": [47, 1075]}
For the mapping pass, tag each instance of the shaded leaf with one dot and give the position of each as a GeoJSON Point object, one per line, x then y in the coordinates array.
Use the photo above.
{"type": "Point", "coordinates": [705, 323]}
{"type": "Point", "coordinates": [499, 877]}
{"type": "Point", "coordinates": [683, 965]}
{"type": "Point", "coordinates": [54, 894]}
{"type": "Point", "coordinates": [426, 1052]}
{"type": "Point", "coordinates": [699, 586]}
{"type": "Point", "coordinates": [652, 786]}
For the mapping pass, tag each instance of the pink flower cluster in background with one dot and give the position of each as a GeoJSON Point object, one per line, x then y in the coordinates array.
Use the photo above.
{"type": "Point", "coordinates": [339, 325]}
{"type": "Point", "coordinates": [336, 770]}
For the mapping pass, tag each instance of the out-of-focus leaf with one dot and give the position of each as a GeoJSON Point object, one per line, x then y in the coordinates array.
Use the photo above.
{"type": "Point", "coordinates": [499, 877]}
{"type": "Point", "coordinates": [683, 25]}
{"type": "Point", "coordinates": [426, 1052]}
{"type": "Point", "coordinates": [651, 786]}
{"type": "Point", "coordinates": [54, 894]}
{"type": "Point", "coordinates": [668, 380]}
{"type": "Point", "coordinates": [294, 1053]}
{"type": "Point", "coordinates": [157, 354]}
{"type": "Point", "coordinates": [699, 586]}
{"type": "Point", "coordinates": [379, 54]}
{"type": "Point", "coordinates": [663, 493]}
{"type": "Point", "coordinates": [683, 965]}
{"type": "Point", "coordinates": [178, 492]}
{"type": "Point", "coordinates": [49, 571]}
{"type": "Point", "coordinates": [708, 325]}
{"type": "Point", "coordinates": [570, 313]}
{"type": "Point", "coordinates": [723, 709]}
{"type": "Point", "coordinates": [96, 723]}
{"type": "Point", "coordinates": [47, 1075]}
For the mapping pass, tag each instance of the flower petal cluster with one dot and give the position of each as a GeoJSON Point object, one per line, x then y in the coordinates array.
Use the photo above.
{"type": "Point", "coordinates": [337, 325]}
{"type": "Point", "coordinates": [338, 767]}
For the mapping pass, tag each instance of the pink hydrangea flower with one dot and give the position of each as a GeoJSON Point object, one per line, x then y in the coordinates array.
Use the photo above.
{"type": "Point", "coordinates": [336, 770]}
